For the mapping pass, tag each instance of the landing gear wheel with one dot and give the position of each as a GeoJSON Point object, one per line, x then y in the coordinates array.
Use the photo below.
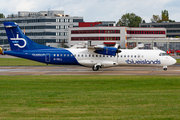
{"type": "Point", "coordinates": [95, 68]}
{"type": "Point", "coordinates": [165, 69]}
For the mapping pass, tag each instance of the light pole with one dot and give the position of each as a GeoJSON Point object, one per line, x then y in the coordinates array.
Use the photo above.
{"type": "Point", "coordinates": [25, 22]}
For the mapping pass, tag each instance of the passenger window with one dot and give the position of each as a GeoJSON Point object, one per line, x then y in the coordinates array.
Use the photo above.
{"type": "Point", "coordinates": [138, 56]}
{"type": "Point", "coordinates": [71, 55]}
{"type": "Point", "coordinates": [96, 55]}
{"type": "Point", "coordinates": [81, 55]}
{"type": "Point", "coordinates": [121, 55]}
{"type": "Point", "coordinates": [92, 55]}
{"type": "Point", "coordinates": [54, 55]}
{"type": "Point", "coordinates": [99, 55]}
{"type": "Point", "coordinates": [134, 56]}
{"type": "Point", "coordinates": [124, 55]}
{"type": "Point", "coordinates": [68, 55]}
{"type": "Point", "coordinates": [128, 56]}
{"type": "Point", "coordinates": [89, 55]}
{"type": "Point", "coordinates": [64, 55]}
{"type": "Point", "coordinates": [85, 55]}
{"type": "Point", "coordinates": [61, 54]}
{"type": "Point", "coordinates": [131, 56]}
{"type": "Point", "coordinates": [58, 55]}
{"type": "Point", "coordinates": [78, 55]}
{"type": "Point", "coordinates": [74, 55]}
{"type": "Point", "coordinates": [103, 55]}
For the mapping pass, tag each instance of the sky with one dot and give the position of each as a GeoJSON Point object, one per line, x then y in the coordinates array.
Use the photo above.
{"type": "Point", "coordinates": [96, 10]}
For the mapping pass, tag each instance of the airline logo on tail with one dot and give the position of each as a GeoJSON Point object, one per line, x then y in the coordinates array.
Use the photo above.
{"type": "Point", "coordinates": [17, 40]}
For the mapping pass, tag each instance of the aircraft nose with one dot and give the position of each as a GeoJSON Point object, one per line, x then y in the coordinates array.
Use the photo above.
{"type": "Point", "coordinates": [173, 61]}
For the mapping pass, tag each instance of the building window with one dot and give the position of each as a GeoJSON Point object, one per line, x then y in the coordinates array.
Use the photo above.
{"type": "Point", "coordinates": [57, 20]}
{"type": "Point", "coordinates": [57, 33]}
{"type": "Point", "coordinates": [66, 20]}
{"type": "Point", "coordinates": [62, 33]}
{"type": "Point", "coordinates": [57, 27]}
{"type": "Point", "coordinates": [95, 38]}
{"type": "Point", "coordinates": [94, 31]}
{"type": "Point", "coordinates": [62, 27]}
{"type": "Point", "coordinates": [65, 40]}
{"type": "Point", "coordinates": [66, 33]}
{"type": "Point", "coordinates": [57, 40]}
{"type": "Point", "coordinates": [62, 20]}
{"type": "Point", "coordinates": [71, 20]}
{"type": "Point", "coordinates": [66, 27]}
{"type": "Point", "coordinates": [145, 32]}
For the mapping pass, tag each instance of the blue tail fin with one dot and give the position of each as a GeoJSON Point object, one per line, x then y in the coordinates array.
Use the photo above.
{"type": "Point", "coordinates": [19, 41]}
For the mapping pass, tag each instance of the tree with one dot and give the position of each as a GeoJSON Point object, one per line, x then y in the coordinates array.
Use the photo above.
{"type": "Point", "coordinates": [129, 20]}
{"type": "Point", "coordinates": [1, 15]}
{"type": "Point", "coordinates": [143, 21]}
{"type": "Point", "coordinates": [172, 21]}
{"type": "Point", "coordinates": [155, 18]}
{"type": "Point", "coordinates": [164, 17]}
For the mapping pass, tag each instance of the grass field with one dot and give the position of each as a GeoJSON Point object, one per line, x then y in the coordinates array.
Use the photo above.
{"type": "Point", "coordinates": [25, 62]}
{"type": "Point", "coordinates": [90, 97]}
{"type": "Point", "coordinates": [178, 60]}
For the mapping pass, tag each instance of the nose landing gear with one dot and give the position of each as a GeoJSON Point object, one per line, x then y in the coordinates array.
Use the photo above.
{"type": "Point", "coordinates": [164, 68]}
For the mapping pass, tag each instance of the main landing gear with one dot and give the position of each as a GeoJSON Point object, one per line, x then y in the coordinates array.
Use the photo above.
{"type": "Point", "coordinates": [96, 67]}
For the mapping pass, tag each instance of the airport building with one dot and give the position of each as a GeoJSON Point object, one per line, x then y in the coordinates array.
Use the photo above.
{"type": "Point", "coordinates": [111, 35]}
{"type": "Point", "coordinates": [42, 27]}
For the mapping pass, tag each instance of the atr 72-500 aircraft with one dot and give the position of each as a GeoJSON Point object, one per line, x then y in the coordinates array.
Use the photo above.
{"type": "Point", "coordinates": [95, 57]}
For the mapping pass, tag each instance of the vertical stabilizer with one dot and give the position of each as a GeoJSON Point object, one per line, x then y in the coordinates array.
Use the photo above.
{"type": "Point", "coordinates": [17, 39]}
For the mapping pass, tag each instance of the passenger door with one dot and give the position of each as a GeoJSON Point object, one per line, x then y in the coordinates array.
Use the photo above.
{"type": "Point", "coordinates": [47, 57]}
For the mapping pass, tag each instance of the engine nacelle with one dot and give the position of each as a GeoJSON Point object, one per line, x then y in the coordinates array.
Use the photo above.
{"type": "Point", "coordinates": [107, 50]}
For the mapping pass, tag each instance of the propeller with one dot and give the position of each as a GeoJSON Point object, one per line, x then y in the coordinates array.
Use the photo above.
{"type": "Point", "coordinates": [118, 51]}
{"type": "Point", "coordinates": [1, 51]}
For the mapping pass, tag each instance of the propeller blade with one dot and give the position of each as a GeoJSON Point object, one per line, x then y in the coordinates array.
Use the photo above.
{"type": "Point", "coordinates": [118, 51]}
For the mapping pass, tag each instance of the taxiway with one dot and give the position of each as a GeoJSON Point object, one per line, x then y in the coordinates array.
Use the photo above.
{"type": "Point", "coordinates": [78, 70]}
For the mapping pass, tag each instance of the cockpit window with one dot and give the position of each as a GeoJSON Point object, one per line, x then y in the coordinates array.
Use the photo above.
{"type": "Point", "coordinates": [163, 54]}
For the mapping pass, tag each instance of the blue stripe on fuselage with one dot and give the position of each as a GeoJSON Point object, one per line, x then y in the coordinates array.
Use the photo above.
{"type": "Point", "coordinates": [50, 56]}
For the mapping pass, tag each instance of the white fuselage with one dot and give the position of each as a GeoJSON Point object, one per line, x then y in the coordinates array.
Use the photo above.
{"type": "Point", "coordinates": [133, 57]}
